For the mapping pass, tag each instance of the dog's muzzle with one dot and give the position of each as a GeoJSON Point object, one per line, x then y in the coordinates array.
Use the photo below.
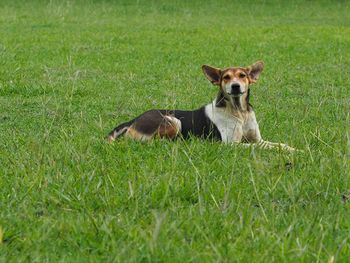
{"type": "Point", "coordinates": [236, 90]}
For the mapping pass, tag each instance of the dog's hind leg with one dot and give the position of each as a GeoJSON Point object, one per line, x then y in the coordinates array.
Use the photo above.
{"type": "Point", "coordinates": [154, 123]}
{"type": "Point", "coordinates": [148, 125]}
{"type": "Point", "coordinates": [169, 128]}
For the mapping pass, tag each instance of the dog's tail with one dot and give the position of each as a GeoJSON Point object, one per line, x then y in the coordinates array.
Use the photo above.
{"type": "Point", "coordinates": [118, 131]}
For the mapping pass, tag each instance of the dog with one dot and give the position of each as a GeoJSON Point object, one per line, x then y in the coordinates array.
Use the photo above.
{"type": "Point", "coordinates": [230, 118]}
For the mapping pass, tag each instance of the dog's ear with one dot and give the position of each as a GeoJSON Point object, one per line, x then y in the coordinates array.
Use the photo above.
{"type": "Point", "coordinates": [255, 70]}
{"type": "Point", "coordinates": [213, 74]}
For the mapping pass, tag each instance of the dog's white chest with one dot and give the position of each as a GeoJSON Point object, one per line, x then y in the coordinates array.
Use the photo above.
{"type": "Point", "coordinates": [229, 127]}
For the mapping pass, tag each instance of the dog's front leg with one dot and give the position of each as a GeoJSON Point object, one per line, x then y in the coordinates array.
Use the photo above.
{"type": "Point", "coordinates": [252, 136]}
{"type": "Point", "coordinates": [275, 145]}
{"type": "Point", "coordinates": [270, 145]}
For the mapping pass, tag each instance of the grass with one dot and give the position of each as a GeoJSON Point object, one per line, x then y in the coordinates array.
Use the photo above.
{"type": "Point", "coordinates": [71, 70]}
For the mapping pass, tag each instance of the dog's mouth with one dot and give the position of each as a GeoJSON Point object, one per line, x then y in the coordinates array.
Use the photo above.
{"type": "Point", "coordinates": [236, 94]}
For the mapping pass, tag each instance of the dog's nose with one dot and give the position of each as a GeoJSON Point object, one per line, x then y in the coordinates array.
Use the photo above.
{"type": "Point", "coordinates": [235, 86]}
{"type": "Point", "coordinates": [235, 89]}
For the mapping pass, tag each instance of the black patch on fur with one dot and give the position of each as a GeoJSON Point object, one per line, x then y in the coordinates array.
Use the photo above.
{"type": "Point", "coordinates": [197, 123]}
{"type": "Point", "coordinates": [249, 106]}
{"type": "Point", "coordinates": [220, 100]}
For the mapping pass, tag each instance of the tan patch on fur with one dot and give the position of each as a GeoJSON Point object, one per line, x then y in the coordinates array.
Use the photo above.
{"type": "Point", "coordinates": [235, 74]}
{"type": "Point", "coordinates": [136, 135]}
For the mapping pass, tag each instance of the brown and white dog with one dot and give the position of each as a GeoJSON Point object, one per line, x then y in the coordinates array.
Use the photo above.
{"type": "Point", "coordinates": [229, 118]}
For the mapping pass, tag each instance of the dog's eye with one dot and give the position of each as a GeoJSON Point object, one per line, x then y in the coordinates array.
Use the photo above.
{"type": "Point", "coordinates": [242, 75]}
{"type": "Point", "coordinates": [227, 77]}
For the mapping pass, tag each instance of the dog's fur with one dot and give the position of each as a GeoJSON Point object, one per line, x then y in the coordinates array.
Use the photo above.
{"type": "Point", "coordinates": [229, 118]}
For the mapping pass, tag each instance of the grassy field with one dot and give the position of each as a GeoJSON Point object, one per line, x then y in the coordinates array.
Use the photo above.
{"type": "Point", "coordinates": [70, 71]}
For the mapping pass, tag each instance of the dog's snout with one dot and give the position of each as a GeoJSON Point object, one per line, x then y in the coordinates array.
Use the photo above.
{"type": "Point", "coordinates": [235, 89]}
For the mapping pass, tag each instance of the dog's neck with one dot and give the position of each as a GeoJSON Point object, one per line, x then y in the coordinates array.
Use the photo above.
{"type": "Point", "coordinates": [238, 105]}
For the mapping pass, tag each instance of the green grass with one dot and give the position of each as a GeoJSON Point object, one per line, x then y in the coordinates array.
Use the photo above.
{"type": "Point", "coordinates": [69, 71]}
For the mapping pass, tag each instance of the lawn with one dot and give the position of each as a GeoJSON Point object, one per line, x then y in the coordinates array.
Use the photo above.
{"type": "Point", "coordinates": [71, 70]}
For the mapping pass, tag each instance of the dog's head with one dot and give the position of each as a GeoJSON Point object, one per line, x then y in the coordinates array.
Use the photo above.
{"type": "Point", "coordinates": [234, 82]}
